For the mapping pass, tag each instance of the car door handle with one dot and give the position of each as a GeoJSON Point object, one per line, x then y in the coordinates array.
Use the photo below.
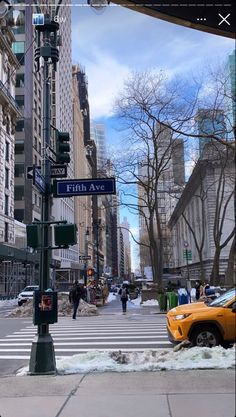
{"type": "Point", "coordinates": [219, 315]}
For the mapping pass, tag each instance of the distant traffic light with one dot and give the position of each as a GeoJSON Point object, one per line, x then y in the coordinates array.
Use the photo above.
{"type": "Point", "coordinates": [90, 272]}
{"type": "Point", "coordinates": [62, 147]}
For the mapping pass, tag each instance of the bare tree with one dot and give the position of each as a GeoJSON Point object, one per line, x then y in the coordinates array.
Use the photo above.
{"type": "Point", "coordinates": [154, 113]}
{"type": "Point", "coordinates": [145, 102]}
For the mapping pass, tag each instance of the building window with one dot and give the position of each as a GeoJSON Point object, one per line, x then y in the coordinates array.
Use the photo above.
{"type": "Point", "coordinates": [40, 148]}
{"type": "Point", "coordinates": [20, 80]}
{"type": "Point", "coordinates": [20, 100]}
{"type": "Point", "coordinates": [18, 47]}
{"type": "Point", "coordinates": [20, 126]}
{"type": "Point", "coordinates": [35, 124]}
{"type": "Point", "coordinates": [6, 233]}
{"type": "Point", "coordinates": [35, 160]}
{"type": "Point", "coordinates": [35, 106]}
{"type": "Point", "coordinates": [35, 143]}
{"type": "Point", "coordinates": [19, 148]}
{"type": "Point", "coordinates": [19, 192]}
{"type": "Point", "coordinates": [6, 178]}
{"type": "Point", "coordinates": [19, 170]}
{"type": "Point", "coordinates": [35, 199]}
{"type": "Point", "coordinates": [19, 51]}
{"type": "Point", "coordinates": [7, 151]}
{"type": "Point", "coordinates": [6, 205]}
{"type": "Point", "coordinates": [19, 215]}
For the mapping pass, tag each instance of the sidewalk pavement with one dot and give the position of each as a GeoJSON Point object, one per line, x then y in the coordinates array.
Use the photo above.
{"type": "Point", "coordinates": [198, 393]}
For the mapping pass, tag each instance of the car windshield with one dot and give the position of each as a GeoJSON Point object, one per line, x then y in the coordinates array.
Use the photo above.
{"type": "Point", "coordinates": [224, 298]}
{"type": "Point", "coordinates": [30, 288]}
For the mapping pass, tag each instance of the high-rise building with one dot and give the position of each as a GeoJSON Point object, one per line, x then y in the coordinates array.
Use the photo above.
{"type": "Point", "coordinates": [9, 112]}
{"type": "Point", "coordinates": [29, 129]}
{"type": "Point", "coordinates": [98, 134]}
{"type": "Point", "coordinates": [125, 227]}
{"type": "Point", "coordinates": [210, 122]}
{"type": "Point", "coordinates": [170, 155]}
{"type": "Point", "coordinates": [62, 120]}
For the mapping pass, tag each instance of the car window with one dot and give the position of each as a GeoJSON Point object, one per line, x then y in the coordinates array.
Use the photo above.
{"type": "Point", "coordinates": [30, 288]}
{"type": "Point", "coordinates": [224, 298]}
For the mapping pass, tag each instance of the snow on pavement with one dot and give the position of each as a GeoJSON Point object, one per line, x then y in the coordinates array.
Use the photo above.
{"type": "Point", "coordinates": [111, 297]}
{"type": "Point", "coordinates": [163, 359]}
{"type": "Point", "coordinates": [137, 301]}
{"type": "Point", "coordinates": [8, 303]}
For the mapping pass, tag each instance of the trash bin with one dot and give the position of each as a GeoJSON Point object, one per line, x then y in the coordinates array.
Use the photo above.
{"type": "Point", "coordinates": [183, 299]}
{"type": "Point", "coordinates": [162, 301]}
{"type": "Point", "coordinates": [172, 300]}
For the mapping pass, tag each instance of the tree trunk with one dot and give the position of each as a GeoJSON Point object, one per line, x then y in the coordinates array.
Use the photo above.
{"type": "Point", "coordinates": [230, 278]}
{"type": "Point", "coordinates": [202, 272]}
{"type": "Point", "coordinates": [215, 279]}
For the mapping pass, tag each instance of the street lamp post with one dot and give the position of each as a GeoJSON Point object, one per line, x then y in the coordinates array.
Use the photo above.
{"type": "Point", "coordinates": [42, 359]}
{"type": "Point", "coordinates": [86, 254]}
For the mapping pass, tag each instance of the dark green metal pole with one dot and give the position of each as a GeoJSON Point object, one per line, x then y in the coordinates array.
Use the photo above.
{"type": "Point", "coordinates": [97, 230]}
{"type": "Point", "coordinates": [42, 360]}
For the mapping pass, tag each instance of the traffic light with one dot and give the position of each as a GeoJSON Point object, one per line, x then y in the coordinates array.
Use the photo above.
{"type": "Point", "coordinates": [62, 147]}
{"type": "Point", "coordinates": [33, 235]}
{"type": "Point", "coordinates": [65, 234]}
{"type": "Point", "coordinates": [90, 272]}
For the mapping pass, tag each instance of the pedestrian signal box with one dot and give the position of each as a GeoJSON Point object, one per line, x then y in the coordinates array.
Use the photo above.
{"type": "Point", "coordinates": [45, 307]}
{"type": "Point", "coordinates": [33, 235]}
{"type": "Point", "coordinates": [65, 234]}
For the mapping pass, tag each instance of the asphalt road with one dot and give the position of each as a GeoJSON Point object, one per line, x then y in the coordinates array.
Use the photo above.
{"type": "Point", "coordinates": [140, 329]}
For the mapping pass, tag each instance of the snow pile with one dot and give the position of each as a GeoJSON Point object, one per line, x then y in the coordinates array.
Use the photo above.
{"type": "Point", "coordinates": [136, 301]}
{"type": "Point", "coordinates": [64, 308]}
{"type": "Point", "coordinates": [111, 297]}
{"type": "Point", "coordinates": [151, 303]}
{"type": "Point", "coordinates": [8, 303]}
{"type": "Point", "coordinates": [26, 310]}
{"type": "Point", "coordinates": [147, 303]}
{"type": "Point", "coordinates": [166, 359]}
{"type": "Point", "coordinates": [86, 309]}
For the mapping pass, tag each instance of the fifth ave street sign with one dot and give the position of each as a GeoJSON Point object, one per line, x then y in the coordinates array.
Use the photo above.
{"type": "Point", "coordinates": [95, 186]}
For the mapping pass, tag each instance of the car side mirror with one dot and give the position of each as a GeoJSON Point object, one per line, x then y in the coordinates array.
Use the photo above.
{"type": "Point", "coordinates": [234, 307]}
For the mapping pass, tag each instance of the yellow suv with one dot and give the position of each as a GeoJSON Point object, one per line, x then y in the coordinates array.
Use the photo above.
{"type": "Point", "coordinates": [204, 324]}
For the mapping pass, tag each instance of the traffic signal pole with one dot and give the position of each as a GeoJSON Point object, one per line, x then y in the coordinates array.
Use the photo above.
{"type": "Point", "coordinates": [42, 359]}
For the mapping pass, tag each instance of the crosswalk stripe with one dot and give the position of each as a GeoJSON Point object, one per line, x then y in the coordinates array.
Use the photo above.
{"type": "Point", "coordinates": [21, 342]}
{"type": "Point", "coordinates": [89, 334]}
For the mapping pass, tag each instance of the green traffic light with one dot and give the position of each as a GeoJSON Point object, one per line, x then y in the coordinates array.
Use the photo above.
{"type": "Point", "coordinates": [62, 147]}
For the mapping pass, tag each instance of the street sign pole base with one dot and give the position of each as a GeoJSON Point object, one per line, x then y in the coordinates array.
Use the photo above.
{"type": "Point", "coordinates": [42, 357]}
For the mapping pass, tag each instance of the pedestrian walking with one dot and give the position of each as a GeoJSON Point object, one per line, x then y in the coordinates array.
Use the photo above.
{"type": "Point", "coordinates": [75, 295]}
{"type": "Point", "coordinates": [198, 287]}
{"type": "Point", "coordinates": [124, 293]}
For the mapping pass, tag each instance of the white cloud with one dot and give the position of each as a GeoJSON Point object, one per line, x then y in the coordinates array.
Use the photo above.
{"type": "Point", "coordinates": [106, 76]}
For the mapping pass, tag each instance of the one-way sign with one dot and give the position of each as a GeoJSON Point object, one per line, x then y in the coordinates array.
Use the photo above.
{"type": "Point", "coordinates": [57, 171]}
{"type": "Point", "coordinates": [95, 186]}
{"type": "Point", "coordinates": [85, 257]}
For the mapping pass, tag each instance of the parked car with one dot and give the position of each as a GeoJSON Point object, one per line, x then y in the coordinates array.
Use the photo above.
{"type": "Point", "coordinates": [204, 324]}
{"type": "Point", "coordinates": [27, 294]}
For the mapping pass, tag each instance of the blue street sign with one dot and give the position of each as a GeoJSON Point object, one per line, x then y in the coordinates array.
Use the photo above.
{"type": "Point", "coordinates": [39, 180]}
{"type": "Point", "coordinates": [95, 186]}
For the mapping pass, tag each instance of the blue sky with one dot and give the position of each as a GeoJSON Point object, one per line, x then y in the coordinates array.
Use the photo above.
{"type": "Point", "coordinates": [112, 43]}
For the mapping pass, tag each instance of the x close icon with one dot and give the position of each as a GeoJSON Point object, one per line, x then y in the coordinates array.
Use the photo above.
{"type": "Point", "coordinates": [224, 19]}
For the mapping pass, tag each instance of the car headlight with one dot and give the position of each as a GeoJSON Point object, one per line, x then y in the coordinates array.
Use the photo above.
{"type": "Point", "coordinates": [181, 316]}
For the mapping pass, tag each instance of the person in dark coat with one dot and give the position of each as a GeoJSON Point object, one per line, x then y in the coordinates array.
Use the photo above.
{"type": "Point", "coordinates": [124, 293]}
{"type": "Point", "coordinates": [75, 295]}
{"type": "Point", "coordinates": [197, 287]}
